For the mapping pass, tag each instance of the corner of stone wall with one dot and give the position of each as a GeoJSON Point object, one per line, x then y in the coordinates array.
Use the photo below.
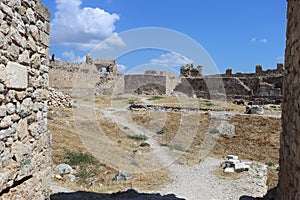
{"type": "Point", "coordinates": [25, 142]}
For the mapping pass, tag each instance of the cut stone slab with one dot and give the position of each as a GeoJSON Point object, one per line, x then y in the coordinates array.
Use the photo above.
{"type": "Point", "coordinates": [229, 170]}
{"type": "Point", "coordinates": [232, 157]}
{"type": "Point", "coordinates": [16, 76]}
{"type": "Point", "coordinates": [231, 161]}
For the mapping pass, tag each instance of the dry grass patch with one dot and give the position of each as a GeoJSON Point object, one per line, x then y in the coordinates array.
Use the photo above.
{"type": "Point", "coordinates": [96, 176]}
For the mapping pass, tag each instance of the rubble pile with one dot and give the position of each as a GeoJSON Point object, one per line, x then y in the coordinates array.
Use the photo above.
{"type": "Point", "coordinates": [58, 99]}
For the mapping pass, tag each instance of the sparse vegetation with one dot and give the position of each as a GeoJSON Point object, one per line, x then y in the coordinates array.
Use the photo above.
{"type": "Point", "coordinates": [50, 117]}
{"type": "Point", "coordinates": [214, 131]}
{"type": "Point", "coordinates": [177, 147]}
{"type": "Point", "coordinates": [86, 163]}
{"type": "Point", "coordinates": [130, 102]}
{"type": "Point", "coordinates": [138, 137]}
{"type": "Point", "coordinates": [79, 158]}
{"type": "Point", "coordinates": [145, 144]}
{"type": "Point", "coordinates": [160, 132]}
{"type": "Point", "coordinates": [270, 164]}
{"type": "Point", "coordinates": [210, 104]}
{"type": "Point", "coordinates": [155, 98]}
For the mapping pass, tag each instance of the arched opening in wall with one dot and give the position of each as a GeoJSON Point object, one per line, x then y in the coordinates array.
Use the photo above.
{"type": "Point", "coordinates": [102, 69]}
{"type": "Point", "coordinates": [151, 89]}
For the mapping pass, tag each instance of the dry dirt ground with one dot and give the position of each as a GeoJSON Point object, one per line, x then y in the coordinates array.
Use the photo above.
{"type": "Point", "coordinates": [172, 137]}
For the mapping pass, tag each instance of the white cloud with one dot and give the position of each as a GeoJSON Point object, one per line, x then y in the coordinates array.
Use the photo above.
{"type": "Point", "coordinates": [121, 67]}
{"type": "Point", "coordinates": [109, 43]}
{"type": "Point", "coordinates": [82, 28]}
{"type": "Point", "coordinates": [171, 59]}
{"type": "Point", "coordinates": [71, 57]}
{"type": "Point", "coordinates": [264, 41]}
{"type": "Point", "coordinates": [253, 39]}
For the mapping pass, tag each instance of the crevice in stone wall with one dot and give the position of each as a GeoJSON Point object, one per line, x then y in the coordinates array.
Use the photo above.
{"type": "Point", "coordinates": [16, 183]}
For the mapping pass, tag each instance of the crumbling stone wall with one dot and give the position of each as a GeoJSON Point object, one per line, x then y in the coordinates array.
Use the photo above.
{"type": "Point", "coordinates": [289, 176]}
{"type": "Point", "coordinates": [78, 79]}
{"type": "Point", "coordinates": [25, 143]}
{"type": "Point", "coordinates": [149, 84]}
{"type": "Point", "coordinates": [189, 71]}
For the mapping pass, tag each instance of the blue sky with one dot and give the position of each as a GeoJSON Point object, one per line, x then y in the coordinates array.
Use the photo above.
{"type": "Point", "coordinates": [236, 34]}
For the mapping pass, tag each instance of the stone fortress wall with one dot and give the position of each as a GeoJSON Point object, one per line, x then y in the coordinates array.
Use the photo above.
{"type": "Point", "coordinates": [86, 78]}
{"type": "Point", "coordinates": [25, 143]}
{"type": "Point", "coordinates": [261, 87]}
{"type": "Point", "coordinates": [289, 176]}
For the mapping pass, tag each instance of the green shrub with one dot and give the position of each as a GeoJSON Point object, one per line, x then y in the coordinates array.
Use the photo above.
{"type": "Point", "coordinates": [87, 163]}
{"type": "Point", "coordinates": [270, 164]}
{"type": "Point", "coordinates": [79, 158]}
{"type": "Point", "coordinates": [145, 144]}
{"type": "Point", "coordinates": [214, 131]}
{"type": "Point", "coordinates": [138, 137]}
{"type": "Point", "coordinates": [177, 147]}
{"type": "Point", "coordinates": [49, 117]}
{"type": "Point", "coordinates": [130, 102]}
{"type": "Point", "coordinates": [210, 104]}
{"type": "Point", "coordinates": [155, 98]}
{"type": "Point", "coordinates": [162, 131]}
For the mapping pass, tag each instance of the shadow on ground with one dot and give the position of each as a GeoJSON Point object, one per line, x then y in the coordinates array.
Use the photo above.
{"type": "Point", "coordinates": [127, 195]}
{"type": "Point", "coordinates": [271, 195]}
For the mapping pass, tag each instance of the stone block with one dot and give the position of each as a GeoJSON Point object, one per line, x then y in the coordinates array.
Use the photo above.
{"type": "Point", "coordinates": [233, 157]}
{"type": "Point", "coordinates": [16, 76]}
{"type": "Point", "coordinates": [229, 170]}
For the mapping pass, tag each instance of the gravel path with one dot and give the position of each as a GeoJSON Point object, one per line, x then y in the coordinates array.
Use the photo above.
{"type": "Point", "coordinates": [199, 182]}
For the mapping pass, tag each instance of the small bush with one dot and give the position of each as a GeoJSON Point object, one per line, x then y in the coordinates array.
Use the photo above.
{"type": "Point", "coordinates": [130, 102]}
{"type": "Point", "coordinates": [162, 131]}
{"type": "Point", "coordinates": [70, 105]}
{"type": "Point", "coordinates": [210, 104]}
{"type": "Point", "coordinates": [138, 137]}
{"type": "Point", "coordinates": [145, 144]}
{"type": "Point", "coordinates": [270, 164]}
{"type": "Point", "coordinates": [79, 158]}
{"type": "Point", "coordinates": [177, 147]}
{"type": "Point", "coordinates": [214, 131]}
{"type": "Point", "coordinates": [50, 118]}
{"type": "Point", "coordinates": [155, 98]}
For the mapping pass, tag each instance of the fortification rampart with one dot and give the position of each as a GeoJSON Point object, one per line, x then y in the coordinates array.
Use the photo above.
{"type": "Point", "coordinates": [25, 143]}
{"type": "Point", "coordinates": [84, 79]}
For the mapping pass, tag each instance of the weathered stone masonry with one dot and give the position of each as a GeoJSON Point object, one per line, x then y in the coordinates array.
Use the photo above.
{"type": "Point", "coordinates": [289, 177]}
{"type": "Point", "coordinates": [25, 143]}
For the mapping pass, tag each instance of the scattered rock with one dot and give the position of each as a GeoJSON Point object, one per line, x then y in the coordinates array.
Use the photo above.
{"type": "Point", "coordinates": [71, 178]}
{"type": "Point", "coordinates": [63, 169]}
{"type": "Point", "coordinates": [137, 152]}
{"type": "Point", "coordinates": [225, 128]}
{"type": "Point", "coordinates": [59, 177]}
{"type": "Point", "coordinates": [122, 176]}
{"type": "Point", "coordinates": [255, 109]}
